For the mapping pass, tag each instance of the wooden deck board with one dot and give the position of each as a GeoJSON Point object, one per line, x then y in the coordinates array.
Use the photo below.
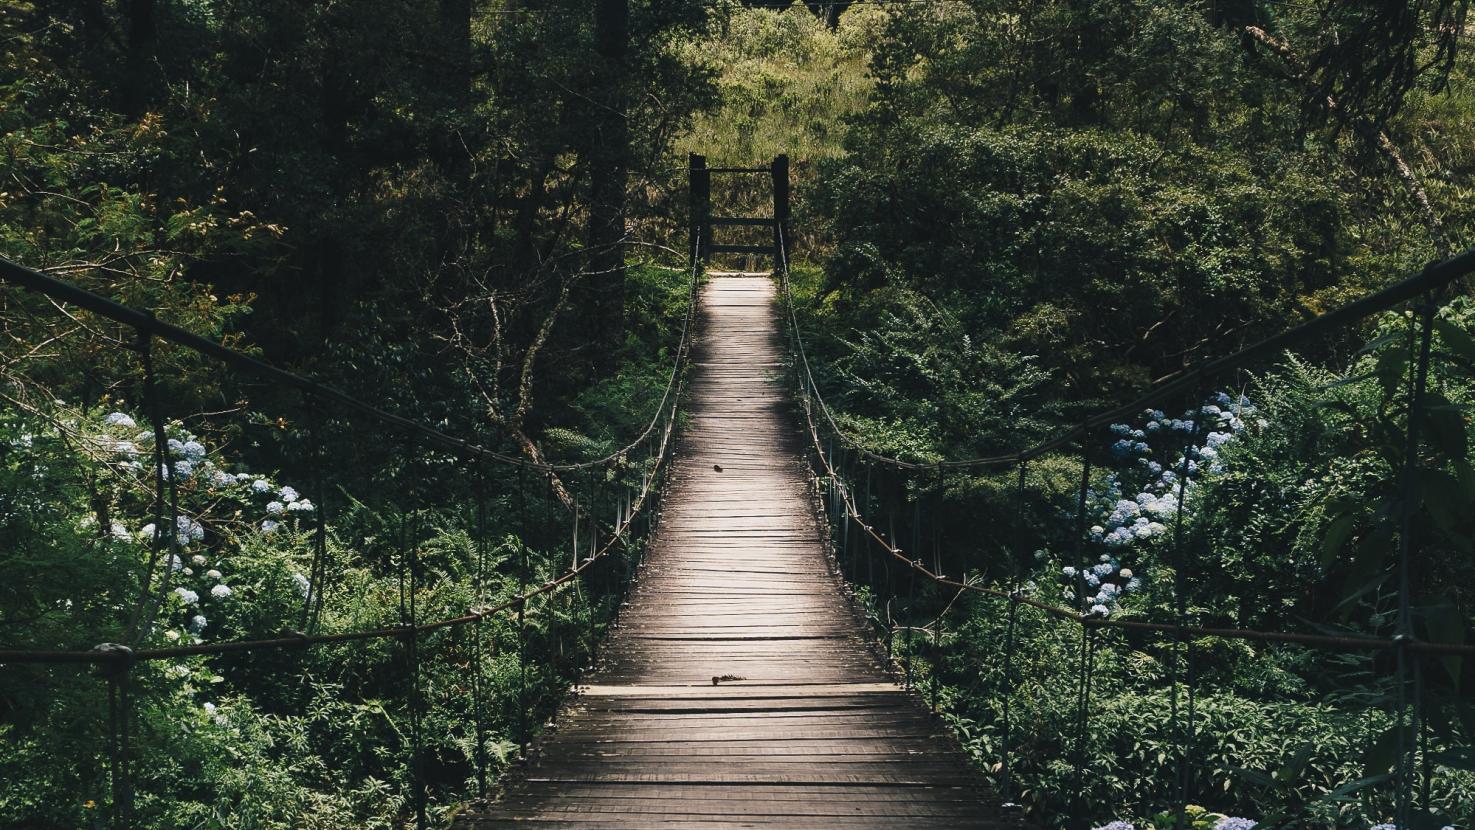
{"type": "Point", "coordinates": [816, 733]}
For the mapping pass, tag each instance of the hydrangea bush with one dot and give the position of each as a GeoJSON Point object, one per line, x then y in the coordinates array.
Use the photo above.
{"type": "Point", "coordinates": [1158, 466]}
{"type": "Point", "coordinates": [218, 510]}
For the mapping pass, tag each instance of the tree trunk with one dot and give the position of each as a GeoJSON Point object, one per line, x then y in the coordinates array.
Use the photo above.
{"type": "Point", "coordinates": [608, 170]}
{"type": "Point", "coordinates": [143, 36]}
{"type": "Point", "coordinates": [455, 18]}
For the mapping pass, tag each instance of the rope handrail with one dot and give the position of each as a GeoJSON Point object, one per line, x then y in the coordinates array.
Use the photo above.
{"type": "Point", "coordinates": [517, 601]}
{"type": "Point", "coordinates": [1425, 282]}
{"type": "Point", "coordinates": [1433, 276]}
{"type": "Point", "coordinates": [146, 323]}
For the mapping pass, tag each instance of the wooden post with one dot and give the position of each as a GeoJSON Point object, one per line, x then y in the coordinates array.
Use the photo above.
{"type": "Point", "coordinates": [700, 221]}
{"type": "Point", "coordinates": [781, 241]}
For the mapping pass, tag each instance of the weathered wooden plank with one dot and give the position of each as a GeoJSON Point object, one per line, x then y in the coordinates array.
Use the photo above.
{"type": "Point", "coordinates": [814, 733]}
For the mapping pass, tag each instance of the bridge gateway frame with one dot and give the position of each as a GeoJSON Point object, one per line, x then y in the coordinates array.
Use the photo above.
{"type": "Point", "coordinates": [702, 223]}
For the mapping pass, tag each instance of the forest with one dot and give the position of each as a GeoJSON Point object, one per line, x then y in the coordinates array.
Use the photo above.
{"type": "Point", "coordinates": [473, 216]}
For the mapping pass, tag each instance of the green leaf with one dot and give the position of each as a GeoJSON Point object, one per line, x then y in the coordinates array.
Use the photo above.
{"type": "Point", "coordinates": [1383, 754]}
{"type": "Point", "coordinates": [1337, 534]}
{"type": "Point", "coordinates": [1379, 342]}
{"type": "Point", "coordinates": [1444, 497]}
{"type": "Point", "coordinates": [1341, 793]}
{"type": "Point", "coordinates": [1292, 768]}
{"type": "Point", "coordinates": [1391, 370]}
{"type": "Point", "coordinates": [1446, 425]}
{"type": "Point", "coordinates": [1444, 624]}
{"type": "Point", "coordinates": [1461, 758]}
{"type": "Point", "coordinates": [1456, 339]}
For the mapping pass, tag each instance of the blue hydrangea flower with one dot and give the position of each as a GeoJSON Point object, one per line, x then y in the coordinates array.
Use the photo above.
{"type": "Point", "coordinates": [288, 494]}
{"type": "Point", "coordinates": [1116, 825]}
{"type": "Point", "coordinates": [187, 596]}
{"type": "Point", "coordinates": [1232, 823]}
{"type": "Point", "coordinates": [119, 419]}
{"type": "Point", "coordinates": [188, 530]}
{"type": "Point", "coordinates": [197, 623]}
{"type": "Point", "coordinates": [275, 508]}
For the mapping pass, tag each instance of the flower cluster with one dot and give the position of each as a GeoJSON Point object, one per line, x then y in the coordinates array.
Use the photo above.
{"type": "Point", "coordinates": [1117, 825]}
{"type": "Point", "coordinates": [1233, 823]}
{"type": "Point", "coordinates": [189, 462]}
{"type": "Point", "coordinates": [190, 467]}
{"type": "Point", "coordinates": [1158, 464]}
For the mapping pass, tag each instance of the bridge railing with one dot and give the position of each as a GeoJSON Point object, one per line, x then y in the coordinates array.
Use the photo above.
{"type": "Point", "coordinates": [863, 528]}
{"type": "Point", "coordinates": [609, 517]}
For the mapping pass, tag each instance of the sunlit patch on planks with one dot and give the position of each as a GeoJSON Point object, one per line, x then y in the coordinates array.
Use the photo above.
{"type": "Point", "coordinates": [737, 585]}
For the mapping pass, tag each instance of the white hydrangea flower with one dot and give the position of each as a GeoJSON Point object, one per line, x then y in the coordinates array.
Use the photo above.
{"type": "Point", "coordinates": [301, 583]}
{"type": "Point", "coordinates": [189, 597]}
{"type": "Point", "coordinates": [119, 419]}
{"type": "Point", "coordinates": [275, 508]}
{"type": "Point", "coordinates": [220, 591]}
{"type": "Point", "coordinates": [212, 573]}
{"type": "Point", "coordinates": [288, 494]}
{"type": "Point", "coordinates": [260, 485]}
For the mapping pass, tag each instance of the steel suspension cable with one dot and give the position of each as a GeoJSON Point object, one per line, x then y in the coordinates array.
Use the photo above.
{"type": "Point", "coordinates": [149, 327]}
{"type": "Point", "coordinates": [1441, 271]}
{"type": "Point", "coordinates": [1433, 276]}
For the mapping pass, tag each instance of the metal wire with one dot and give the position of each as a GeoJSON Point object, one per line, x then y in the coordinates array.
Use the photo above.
{"type": "Point", "coordinates": [1434, 276]}
{"type": "Point", "coordinates": [150, 327]}
{"type": "Point", "coordinates": [1324, 641]}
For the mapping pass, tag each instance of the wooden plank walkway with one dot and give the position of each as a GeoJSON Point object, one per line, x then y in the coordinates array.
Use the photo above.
{"type": "Point", "coordinates": [737, 584]}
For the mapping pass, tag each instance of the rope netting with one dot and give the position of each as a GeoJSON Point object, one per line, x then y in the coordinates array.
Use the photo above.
{"type": "Point", "coordinates": [848, 474]}
{"type": "Point", "coordinates": [610, 514]}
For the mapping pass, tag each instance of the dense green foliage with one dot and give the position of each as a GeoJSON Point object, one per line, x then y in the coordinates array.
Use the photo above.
{"type": "Point", "coordinates": [1009, 213]}
{"type": "Point", "coordinates": [397, 199]}
{"type": "Point", "coordinates": [1045, 208]}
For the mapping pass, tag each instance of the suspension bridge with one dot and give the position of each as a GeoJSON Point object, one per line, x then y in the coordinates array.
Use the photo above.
{"type": "Point", "coordinates": [742, 686]}
{"type": "Point", "coordinates": [740, 689]}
